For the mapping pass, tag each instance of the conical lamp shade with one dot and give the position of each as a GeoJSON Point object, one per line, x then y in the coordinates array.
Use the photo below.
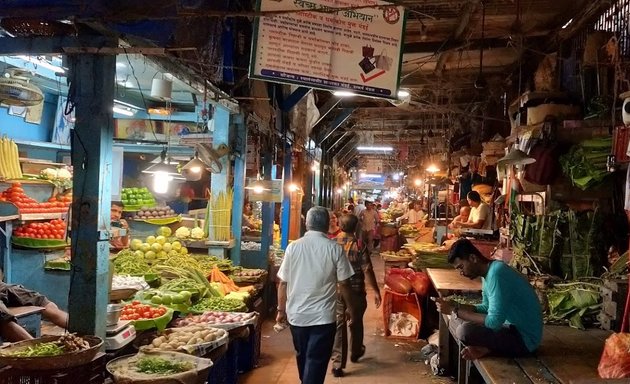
{"type": "Point", "coordinates": [516, 157]}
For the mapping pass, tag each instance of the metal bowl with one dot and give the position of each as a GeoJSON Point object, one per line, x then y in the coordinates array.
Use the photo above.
{"type": "Point", "coordinates": [113, 313]}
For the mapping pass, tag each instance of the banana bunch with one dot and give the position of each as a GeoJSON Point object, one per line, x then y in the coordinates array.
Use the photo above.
{"type": "Point", "coordinates": [9, 160]}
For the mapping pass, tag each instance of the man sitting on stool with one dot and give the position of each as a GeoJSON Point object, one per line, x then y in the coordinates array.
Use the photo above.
{"type": "Point", "coordinates": [17, 296]}
{"type": "Point", "coordinates": [509, 320]}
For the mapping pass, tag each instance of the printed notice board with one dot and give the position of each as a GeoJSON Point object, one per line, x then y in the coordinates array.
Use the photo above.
{"type": "Point", "coordinates": [353, 45]}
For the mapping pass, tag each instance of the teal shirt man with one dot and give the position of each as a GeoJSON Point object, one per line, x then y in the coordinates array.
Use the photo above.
{"type": "Point", "coordinates": [508, 298]}
{"type": "Point", "coordinates": [509, 320]}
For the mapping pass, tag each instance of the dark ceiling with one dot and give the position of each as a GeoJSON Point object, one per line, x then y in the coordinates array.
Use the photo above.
{"type": "Point", "coordinates": [454, 99]}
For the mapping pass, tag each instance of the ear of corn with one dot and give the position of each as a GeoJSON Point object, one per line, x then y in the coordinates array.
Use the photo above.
{"type": "Point", "coordinates": [219, 215]}
{"type": "Point", "coordinates": [9, 160]}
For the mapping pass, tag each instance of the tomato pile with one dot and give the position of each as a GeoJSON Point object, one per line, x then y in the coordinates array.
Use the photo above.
{"type": "Point", "coordinates": [53, 229]}
{"type": "Point", "coordinates": [138, 311]}
{"type": "Point", "coordinates": [15, 194]}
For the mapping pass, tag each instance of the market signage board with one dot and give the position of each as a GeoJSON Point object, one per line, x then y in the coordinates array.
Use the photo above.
{"type": "Point", "coordinates": [353, 45]}
{"type": "Point", "coordinates": [270, 190]}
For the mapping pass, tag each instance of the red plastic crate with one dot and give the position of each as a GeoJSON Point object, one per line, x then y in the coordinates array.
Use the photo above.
{"type": "Point", "coordinates": [396, 302]}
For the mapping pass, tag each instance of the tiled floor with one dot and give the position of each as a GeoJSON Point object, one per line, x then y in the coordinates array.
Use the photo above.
{"type": "Point", "coordinates": [385, 361]}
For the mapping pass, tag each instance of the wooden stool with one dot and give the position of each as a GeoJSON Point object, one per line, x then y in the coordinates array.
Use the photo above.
{"type": "Point", "coordinates": [29, 317]}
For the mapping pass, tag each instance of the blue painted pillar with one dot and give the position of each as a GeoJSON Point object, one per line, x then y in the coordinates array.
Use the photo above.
{"type": "Point", "coordinates": [92, 79]}
{"type": "Point", "coordinates": [220, 182]}
{"type": "Point", "coordinates": [268, 209]}
{"type": "Point", "coordinates": [286, 196]}
{"type": "Point", "coordinates": [240, 147]}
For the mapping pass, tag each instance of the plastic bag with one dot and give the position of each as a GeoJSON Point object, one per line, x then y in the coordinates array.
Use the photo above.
{"type": "Point", "coordinates": [615, 360]}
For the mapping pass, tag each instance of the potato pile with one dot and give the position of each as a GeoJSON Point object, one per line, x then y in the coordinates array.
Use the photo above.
{"type": "Point", "coordinates": [154, 213]}
{"type": "Point", "coordinates": [173, 339]}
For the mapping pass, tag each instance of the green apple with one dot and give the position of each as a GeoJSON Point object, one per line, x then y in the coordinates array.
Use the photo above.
{"type": "Point", "coordinates": [161, 240]}
{"type": "Point", "coordinates": [156, 247]}
{"type": "Point", "coordinates": [151, 239]}
{"type": "Point", "coordinates": [162, 255]}
{"type": "Point", "coordinates": [156, 300]}
{"type": "Point", "coordinates": [145, 247]}
{"type": "Point", "coordinates": [183, 251]}
{"type": "Point", "coordinates": [173, 253]}
{"type": "Point", "coordinates": [167, 247]}
{"type": "Point", "coordinates": [150, 255]}
{"type": "Point", "coordinates": [139, 254]}
{"type": "Point", "coordinates": [167, 299]}
{"type": "Point", "coordinates": [176, 245]}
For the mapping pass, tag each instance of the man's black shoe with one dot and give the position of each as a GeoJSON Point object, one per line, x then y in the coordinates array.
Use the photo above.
{"type": "Point", "coordinates": [355, 358]}
{"type": "Point", "coordinates": [337, 372]}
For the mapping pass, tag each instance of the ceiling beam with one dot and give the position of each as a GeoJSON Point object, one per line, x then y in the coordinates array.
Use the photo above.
{"type": "Point", "coordinates": [590, 13]}
{"type": "Point", "coordinates": [290, 101]}
{"type": "Point", "coordinates": [463, 25]}
{"type": "Point", "coordinates": [345, 133]}
{"type": "Point", "coordinates": [48, 45]}
{"type": "Point", "coordinates": [348, 146]}
{"type": "Point", "coordinates": [325, 110]}
{"type": "Point", "coordinates": [341, 118]}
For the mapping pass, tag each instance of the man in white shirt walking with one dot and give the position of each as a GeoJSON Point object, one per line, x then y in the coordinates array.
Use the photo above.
{"type": "Point", "coordinates": [312, 269]}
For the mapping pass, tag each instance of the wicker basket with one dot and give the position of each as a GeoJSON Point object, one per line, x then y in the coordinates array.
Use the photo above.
{"type": "Point", "coordinates": [62, 361]}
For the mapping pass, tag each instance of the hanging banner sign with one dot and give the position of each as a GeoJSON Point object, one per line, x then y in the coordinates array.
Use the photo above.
{"type": "Point", "coordinates": [352, 45]}
{"type": "Point", "coordinates": [264, 190]}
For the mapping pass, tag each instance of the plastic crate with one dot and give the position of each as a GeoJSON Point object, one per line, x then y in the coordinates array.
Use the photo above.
{"type": "Point", "coordinates": [225, 369]}
{"type": "Point", "coordinates": [395, 302]}
{"type": "Point", "coordinates": [249, 348]}
{"type": "Point", "coordinates": [91, 373]}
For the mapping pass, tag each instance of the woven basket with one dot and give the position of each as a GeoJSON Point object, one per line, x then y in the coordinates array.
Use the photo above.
{"type": "Point", "coordinates": [66, 360]}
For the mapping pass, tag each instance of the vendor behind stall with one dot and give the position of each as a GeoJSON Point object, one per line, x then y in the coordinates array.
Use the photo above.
{"type": "Point", "coordinates": [480, 213]}
{"type": "Point", "coordinates": [119, 242]}
{"type": "Point", "coordinates": [249, 220]}
{"type": "Point", "coordinates": [414, 216]}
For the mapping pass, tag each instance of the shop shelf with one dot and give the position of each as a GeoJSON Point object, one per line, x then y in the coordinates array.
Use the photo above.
{"type": "Point", "coordinates": [42, 216]}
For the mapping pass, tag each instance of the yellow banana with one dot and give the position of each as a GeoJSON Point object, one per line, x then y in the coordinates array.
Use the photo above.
{"type": "Point", "coordinates": [17, 170]}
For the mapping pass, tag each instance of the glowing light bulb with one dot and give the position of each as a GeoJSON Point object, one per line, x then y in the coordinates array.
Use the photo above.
{"type": "Point", "coordinates": [258, 189]}
{"type": "Point", "coordinates": [417, 182]}
{"type": "Point", "coordinates": [195, 169]}
{"type": "Point", "coordinates": [339, 191]}
{"type": "Point", "coordinates": [160, 182]}
{"type": "Point", "coordinates": [293, 187]}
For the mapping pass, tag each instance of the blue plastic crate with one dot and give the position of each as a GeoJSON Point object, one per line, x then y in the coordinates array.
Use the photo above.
{"type": "Point", "coordinates": [225, 369]}
{"type": "Point", "coordinates": [249, 349]}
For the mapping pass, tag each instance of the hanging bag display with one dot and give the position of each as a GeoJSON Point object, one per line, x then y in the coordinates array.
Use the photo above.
{"type": "Point", "coordinates": [547, 166]}
{"type": "Point", "coordinates": [383, 61]}
{"type": "Point", "coordinates": [367, 51]}
{"type": "Point", "coordinates": [366, 65]}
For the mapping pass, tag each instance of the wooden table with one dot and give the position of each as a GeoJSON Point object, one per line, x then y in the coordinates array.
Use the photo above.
{"type": "Point", "coordinates": [447, 281]}
{"type": "Point", "coordinates": [450, 280]}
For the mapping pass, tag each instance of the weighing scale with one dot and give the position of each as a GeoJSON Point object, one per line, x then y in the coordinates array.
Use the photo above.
{"type": "Point", "coordinates": [119, 335]}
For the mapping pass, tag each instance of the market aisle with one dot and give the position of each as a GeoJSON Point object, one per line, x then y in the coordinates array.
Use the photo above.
{"type": "Point", "coordinates": [385, 360]}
